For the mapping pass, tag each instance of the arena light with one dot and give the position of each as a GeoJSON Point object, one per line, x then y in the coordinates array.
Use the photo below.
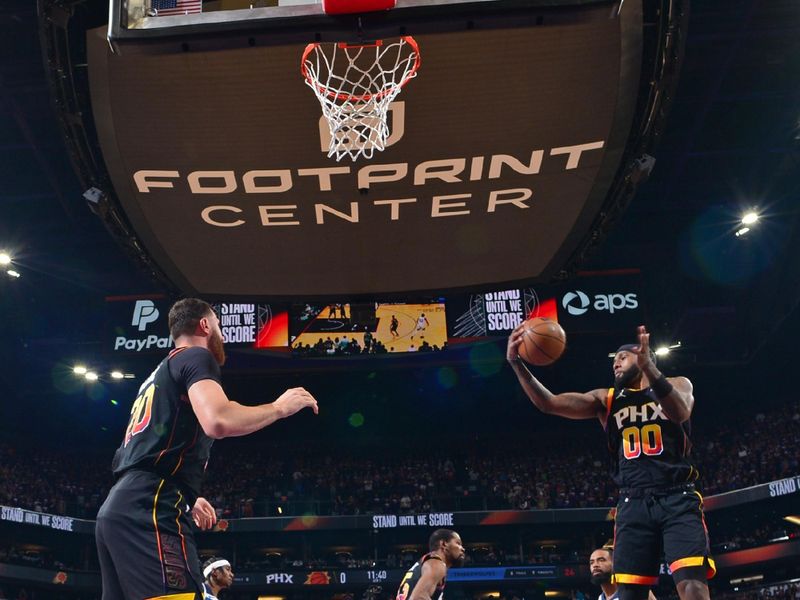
{"type": "Point", "coordinates": [749, 218]}
{"type": "Point", "coordinates": [662, 350]}
{"type": "Point", "coordinates": [91, 376]}
{"type": "Point", "coordinates": [742, 231]}
{"type": "Point", "coordinates": [79, 370]}
{"type": "Point", "coordinates": [751, 579]}
{"type": "Point", "coordinates": [793, 519]}
{"type": "Point", "coordinates": [13, 273]}
{"type": "Point", "coordinates": [117, 375]}
{"type": "Point", "coordinates": [5, 258]}
{"type": "Point", "coordinates": [129, 376]}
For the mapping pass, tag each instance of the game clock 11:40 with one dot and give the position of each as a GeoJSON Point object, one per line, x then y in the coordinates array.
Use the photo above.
{"type": "Point", "coordinates": [361, 577]}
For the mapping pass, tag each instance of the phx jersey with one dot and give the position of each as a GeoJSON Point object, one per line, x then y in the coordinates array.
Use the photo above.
{"type": "Point", "coordinates": [163, 434]}
{"type": "Point", "coordinates": [411, 578]}
{"type": "Point", "coordinates": [144, 530]}
{"type": "Point", "coordinates": [648, 450]}
{"type": "Point", "coordinates": [659, 511]}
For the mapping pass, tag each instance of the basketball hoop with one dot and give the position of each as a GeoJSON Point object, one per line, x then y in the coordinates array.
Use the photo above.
{"type": "Point", "coordinates": [355, 84]}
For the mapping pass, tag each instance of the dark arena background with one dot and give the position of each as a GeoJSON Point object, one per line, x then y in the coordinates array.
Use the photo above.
{"type": "Point", "coordinates": [605, 164]}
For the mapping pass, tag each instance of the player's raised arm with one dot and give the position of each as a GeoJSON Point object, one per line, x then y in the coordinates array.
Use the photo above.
{"type": "Point", "coordinates": [674, 394]}
{"type": "Point", "coordinates": [573, 405]}
{"type": "Point", "coordinates": [431, 574]}
{"type": "Point", "coordinates": [221, 418]}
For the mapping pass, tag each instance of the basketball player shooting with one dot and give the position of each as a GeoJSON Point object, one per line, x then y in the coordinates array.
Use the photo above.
{"type": "Point", "coordinates": [646, 419]}
{"type": "Point", "coordinates": [143, 532]}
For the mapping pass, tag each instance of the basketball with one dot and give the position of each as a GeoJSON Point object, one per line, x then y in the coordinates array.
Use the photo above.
{"type": "Point", "coordinates": [543, 341]}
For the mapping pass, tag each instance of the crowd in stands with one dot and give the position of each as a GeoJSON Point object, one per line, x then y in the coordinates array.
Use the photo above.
{"type": "Point", "coordinates": [486, 478]}
{"type": "Point", "coordinates": [62, 483]}
{"type": "Point", "coordinates": [773, 592]}
{"type": "Point", "coordinates": [540, 472]}
{"type": "Point", "coordinates": [21, 592]}
{"type": "Point", "coordinates": [749, 453]}
{"type": "Point", "coordinates": [350, 346]}
{"type": "Point", "coordinates": [484, 556]}
{"type": "Point", "coordinates": [744, 536]}
{"type": "Point", "coordinates": [783, 591]}
{"type": "Point", "coordinates": [13, 555]}
{"type": "Point", "coordinates": [344, 346]}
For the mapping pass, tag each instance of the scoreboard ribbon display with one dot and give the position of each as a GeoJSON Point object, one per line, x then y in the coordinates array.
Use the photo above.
{"type": "Point", "coordinates": [335, 578]}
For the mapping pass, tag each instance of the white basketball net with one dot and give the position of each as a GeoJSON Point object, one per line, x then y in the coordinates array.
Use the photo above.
{"type": "Point", "coordinates": [355, 85]}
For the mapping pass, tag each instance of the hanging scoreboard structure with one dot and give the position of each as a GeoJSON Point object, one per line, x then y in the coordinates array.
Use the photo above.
{"type": "Point", "coordinates": [520, 139]}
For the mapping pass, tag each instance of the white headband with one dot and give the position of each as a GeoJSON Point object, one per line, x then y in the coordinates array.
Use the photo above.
{"type": "Point", "coordinates": [215, 565]}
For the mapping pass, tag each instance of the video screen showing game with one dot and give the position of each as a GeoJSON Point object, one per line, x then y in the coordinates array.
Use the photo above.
{"type": "Point", "coordinates": [346, 329]}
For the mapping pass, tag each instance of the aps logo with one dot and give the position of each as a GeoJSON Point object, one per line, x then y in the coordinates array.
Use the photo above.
{"type": "Point", "coordinates": [578, 303]}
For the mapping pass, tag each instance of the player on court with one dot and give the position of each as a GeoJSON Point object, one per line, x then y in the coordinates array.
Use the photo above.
{"type": "Point", "coordinates": [143, 532]}
{"type": "Point", "coordinates": [425, 580]}
{"type": "Point", "coordinates": [218, 576]}
{"type": "Point", "coordinates": [646, 418]}
{"type": "Point", "coordinates": [422, 323]}
{"type": "Point", "coordinates": [602, 574]}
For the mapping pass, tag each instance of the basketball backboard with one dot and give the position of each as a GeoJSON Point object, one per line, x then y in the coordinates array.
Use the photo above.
{"type": "Point", "coordinates": [519, 129]}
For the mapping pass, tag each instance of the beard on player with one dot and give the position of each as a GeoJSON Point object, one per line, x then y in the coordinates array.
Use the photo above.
{"type": "Point", "coordinates": [216, 347]}
{"type": "Point", "coordinates": [627, 377]}
{"type": "Point", "coordinates": [599, 577]}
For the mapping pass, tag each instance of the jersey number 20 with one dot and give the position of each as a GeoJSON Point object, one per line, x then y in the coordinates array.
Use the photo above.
{"type": "Point", "coordinates": [140, 413]}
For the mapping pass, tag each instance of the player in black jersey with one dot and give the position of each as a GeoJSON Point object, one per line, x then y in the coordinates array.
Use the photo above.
{"type": "Point", "coordinates": [425, 580]}
{"type": "Point", "coordinates": [144, 531]}
{"type": "Point", "coordinates": [646, 418]}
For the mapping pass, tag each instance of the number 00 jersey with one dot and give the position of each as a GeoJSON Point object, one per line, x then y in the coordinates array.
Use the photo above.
{"type": "Point", "coordinates": [648, 450]}
{"type": "Point", "coordinates": [163, 434]}
{"type": "Point", "coordinates": [411, 578]}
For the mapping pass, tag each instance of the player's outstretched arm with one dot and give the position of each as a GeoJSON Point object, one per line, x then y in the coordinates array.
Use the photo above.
{"type": "Point", "coordinates": [221, 418]}
{"type": "Point", "coordinates": [433, 571]}
{"type": "Point", "coordinates": [675, 394]}
{"type": "Point", "coordinates": [573, 405]}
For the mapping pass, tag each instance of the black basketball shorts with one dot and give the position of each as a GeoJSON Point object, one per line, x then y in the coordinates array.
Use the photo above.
{"type": "Point", "coordinates": [145, 541]}
{"type": "Point", "coordinates": [650, 524]}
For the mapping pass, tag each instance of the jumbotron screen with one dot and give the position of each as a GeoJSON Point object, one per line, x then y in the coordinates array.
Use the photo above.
{"type": "Point", "coordinates": [225, 139]}
{"type": "Point", "coordinates": [339, 329]}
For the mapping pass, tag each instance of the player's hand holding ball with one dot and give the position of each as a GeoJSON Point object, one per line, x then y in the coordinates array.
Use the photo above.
{"type": "Point", "coordinates": [538, 341]}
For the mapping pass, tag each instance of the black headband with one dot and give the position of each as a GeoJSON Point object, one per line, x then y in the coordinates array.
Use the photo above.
{"type": "Point", "coordinates": [635, 347]}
